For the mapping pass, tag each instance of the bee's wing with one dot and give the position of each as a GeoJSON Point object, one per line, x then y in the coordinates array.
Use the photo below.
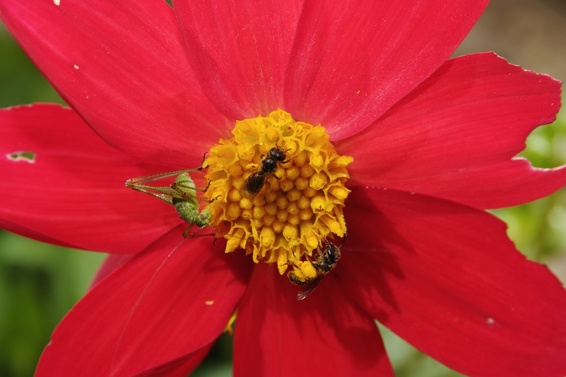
{"type": "Point", "coordinates": [309, 288]}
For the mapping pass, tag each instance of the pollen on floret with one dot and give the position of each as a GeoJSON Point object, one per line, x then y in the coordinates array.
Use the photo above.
{"type": "Point", "coordinates": [278, 187]}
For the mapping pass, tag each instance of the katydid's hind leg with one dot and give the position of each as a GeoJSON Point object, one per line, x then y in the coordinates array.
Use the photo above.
{"type": "Point", "coordinates": [139, 181]}
{"type": "Point", "coordinates": [186, 186]}
{"type": "Point", "coordinates": [186, 232]}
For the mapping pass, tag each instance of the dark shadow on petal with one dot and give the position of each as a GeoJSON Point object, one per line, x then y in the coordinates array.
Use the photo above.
{"type": "Point", "coordinates": [179, 367]}
{"type": "Point", "coordinates": [368, 255]}
{"type": "Point", "coordinates": [325, 333]}
{"type": "Point", "coordinates": [240, 264]}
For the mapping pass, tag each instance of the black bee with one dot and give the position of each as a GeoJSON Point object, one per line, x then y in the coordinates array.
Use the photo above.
{"type": "Point", "coordinates": [269, 164]}
{"type": "Point", "coordinates": [325, 261]}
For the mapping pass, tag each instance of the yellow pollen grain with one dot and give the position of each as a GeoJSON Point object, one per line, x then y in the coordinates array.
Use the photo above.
{"type": "Point", "coordinates": [258, 200]}
{"type": "Point", "coordinates": [238, 183]}
{"type": "Point", "coordinates": [277, 226]}
{"type": "Point", "coordinates": [286, 185]}
{"type": "Point", "coordinates": [246, 203]}
{"type": "Point", "coordinates": [307, 171]}
{"type": "Point", "coordinates": [233, 211]}
{"type": "Point", "coordinates": [315, 137]}
{"type": "Point", "coordinates": [290, 232]}
{"type": "Point", "coordinates": [281, 202]}
{"type": "Point", "coordinates": [279, 177]}
{"type": "Point", "coordinates": [259, 212]}
{"type": "Point", "coordinates": [267, 237]}
{"type": "Point", "coordinates": [245, 153]}
{"type": "Point", "coordinates": [294, 195]}
{"type": "Point", "coordinates": [256, 223]}
{"type": "Point", "coordinates": [318, 181]}
{"type": "Point", "coordinates": [272, 135]}
{"type": "Point", "coordinates": [291, 146]}
{"type": "Point", "coordinates": [333, 225]}
{"type": "Point", "coordinates": [318, 203]}
{"type": "Point", "coordinates": [268, 220]}
{"type": "Point", "coordinates": [339, 193]}
{"type": "Point", "coordinates": [312, 241]}
{"type": "Point", "coordinates": [297, 204]}
{"type": "Point", "coordinates": [316, 161]}
{"type": "Point", "coordinates": [301, 183]}
{"type": "Point", "coordinates": [309, 192]}
{"type": "Point", "coordinates": [271, 209]}
{"type": "Point", "coordinates": [271, 196]}
{"type": "Point", "coordinates": [282, 215]}
{"type": "Point", "coordinates": [235, 170]}
{"type": "Point", "coordinates": [292, 173]}
{"type": "Point", "coordinates": [294, 219]}
{"type": "Point", "coordinates": [235, 195]}
{"type": "Point", "coordinates": [247, 214]}
{"type": "Point", "coordinates": [292, 208]}
{"type": "Point", "coordinates": [304, 202]}
{"type": "Point", "coordinates": [301, 159]}
{"type": "Point", "coordinates": [305, 214]}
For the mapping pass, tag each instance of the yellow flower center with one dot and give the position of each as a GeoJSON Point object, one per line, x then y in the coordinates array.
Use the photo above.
{"type": "Point", "coordinates": [276, 189]}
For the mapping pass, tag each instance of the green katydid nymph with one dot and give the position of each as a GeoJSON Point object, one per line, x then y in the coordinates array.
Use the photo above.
{"type": "Point", "coordinates": [182, 194]}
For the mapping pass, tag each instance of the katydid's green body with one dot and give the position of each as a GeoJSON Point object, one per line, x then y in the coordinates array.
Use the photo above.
{"type": "Point", "coordinates": [187, 205]}
{"type": "Point", "coordinates": [182, 194]}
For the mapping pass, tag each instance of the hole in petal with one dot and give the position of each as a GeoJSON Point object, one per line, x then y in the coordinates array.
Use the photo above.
{"type": "Point", "coordinates": [26, 156]}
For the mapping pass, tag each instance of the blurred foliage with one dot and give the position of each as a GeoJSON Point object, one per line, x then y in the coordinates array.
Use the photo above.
{"type": "Point", "coordinates": [20, 81]}
{"type": "Point", "coordinates": [538, 228]}
{"type": "Point", "coordinates": [39, 283]}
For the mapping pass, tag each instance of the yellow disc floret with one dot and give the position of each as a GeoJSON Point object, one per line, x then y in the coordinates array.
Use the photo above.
{"type": "Point", "coordinates": [277, 189]}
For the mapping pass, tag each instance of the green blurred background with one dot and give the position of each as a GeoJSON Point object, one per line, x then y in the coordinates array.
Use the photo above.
{"type": "Point", "coordinates": [39, 283]}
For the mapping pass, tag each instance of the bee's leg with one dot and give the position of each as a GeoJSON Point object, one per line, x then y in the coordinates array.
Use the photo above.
{"type": "Point", "coordinates": [195, 235]}
{"type": "Point", "coordinates": [208, 200]}
{"type": "Point", "coordinates": [202, 162]}
{"type": "Point", "coordinates": [207, 185]}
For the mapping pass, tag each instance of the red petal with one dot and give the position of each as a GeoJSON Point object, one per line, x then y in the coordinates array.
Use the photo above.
{"type": "Point", "coordinates": [110, 264]}
{"type": "Point", "coordinates": [239, 50]}
{"type": "Point", "coordinates": [352, 60]}
{"type": "Point", "coordinates": [181, 367]}
{"type": "Point", "coordinates": [446, 278]}
{"type": "Point", "coordinates": [73, 193]}
{"type": "Point", "coordinates": [454, 136]}
{"type": "Point", "coordinates": [323, 335]}
{"type": "Point", "coordinates": [167, 302]}
{"type": "Point", "coordinates": [124, 68]}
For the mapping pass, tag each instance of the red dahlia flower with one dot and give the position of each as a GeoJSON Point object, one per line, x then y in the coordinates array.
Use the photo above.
{"type": "Point", "coordinates": [380, 135]}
